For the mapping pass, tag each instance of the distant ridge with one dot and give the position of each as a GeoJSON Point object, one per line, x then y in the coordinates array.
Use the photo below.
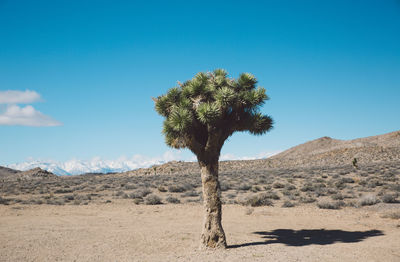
{"type": "Point", "coordinates": [324, 151]}
{"type": "Point", "coordinates": [6, 172]}
{"type": "Point", "coordinates": [327, 144]}
{"type": "Point", "coordinates": [35, 173]}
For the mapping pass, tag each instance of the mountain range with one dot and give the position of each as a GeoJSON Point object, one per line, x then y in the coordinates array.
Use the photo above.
{"type": "Point", "coordinates": [96, 165]}
{"type": "Point", "coordinates": [324, 151]}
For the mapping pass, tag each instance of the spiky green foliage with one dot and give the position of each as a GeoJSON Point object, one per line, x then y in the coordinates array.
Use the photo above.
{"type": "Point", "coordinates": [203, 112]}
{"type": "Point", "coordinates": [208, 113]}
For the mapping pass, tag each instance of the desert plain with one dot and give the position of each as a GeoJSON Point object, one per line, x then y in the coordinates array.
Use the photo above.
{"type": "Point", "coordinates": [125, 232]}
{"type": "Point", "coordinates": [309, 203]}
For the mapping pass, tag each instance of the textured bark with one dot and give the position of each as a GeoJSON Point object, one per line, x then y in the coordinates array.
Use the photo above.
{"type": "Point", "coordinates": [213, 235]}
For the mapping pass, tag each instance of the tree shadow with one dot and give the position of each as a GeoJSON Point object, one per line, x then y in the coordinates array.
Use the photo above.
{"type": "Point", "coordinates": [306, 237]}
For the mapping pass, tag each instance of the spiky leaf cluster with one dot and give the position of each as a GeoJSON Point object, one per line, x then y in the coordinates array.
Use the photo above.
{"type": "Point", "coordinates": [204, 111]}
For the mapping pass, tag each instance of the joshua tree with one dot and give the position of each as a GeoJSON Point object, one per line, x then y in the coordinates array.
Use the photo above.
{"type": "Point", "coordinates": [355, 163]}
{"type": "Point", "coordinates": [200, 114]}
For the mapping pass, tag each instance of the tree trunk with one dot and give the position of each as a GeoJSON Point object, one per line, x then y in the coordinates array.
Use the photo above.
{"type": "Point", "coordinates": [213, 235]}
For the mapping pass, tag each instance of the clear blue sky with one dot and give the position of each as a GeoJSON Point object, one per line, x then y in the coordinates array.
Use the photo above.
{"type": "Point", "coordinates": [331, 68]}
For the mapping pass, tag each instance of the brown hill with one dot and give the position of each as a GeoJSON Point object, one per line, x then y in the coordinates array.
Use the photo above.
{"type": "Point", "coordinates": [324, 151]}
{"type": "Point", "coordinates": [7, 172]}
{"type": "Point", "coordinates": [35, 173]}
{"type": "Point", "coordinates": [326, 144]}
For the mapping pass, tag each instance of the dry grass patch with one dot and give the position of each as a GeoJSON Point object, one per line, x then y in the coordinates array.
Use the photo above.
{"type": "Point", "coordinates": [392, 214]}
{"type": "Point", "coordinates": [368, 200]}
{"type": "Point", "coordinates": [329, 204]}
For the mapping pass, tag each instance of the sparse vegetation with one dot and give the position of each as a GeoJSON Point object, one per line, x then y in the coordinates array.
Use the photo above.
{"type": "Point", "coordinates": [259, 200]}
{"type": "Point", "coordinates": [307, 199]}
{"type": "Point", "coordinates": [328, 204]}
{"type": "Point", "coordinates": [337, 196]}
{"type": "Point", "coordinates": [162, 189]}
{"type": "Point", "coordinates": [140, 193]}
{"type": "Point", "coordinates": [302, 186]}
{"type": "Point", "coordinates": [389, 198]}
{"type": "Point", "coordinates": [288, 203]}
{"type": "Point", "coordinates": [172, 200]}
{"type": "Point", "coordinates": [176, 189]}
{"type": "Point", "coordinates": [4, 201]}
{"type": "Point", "coordinates": [368, 200]}
{"type": "Point", "coordinates": [191, 193]}
{"type": "Point", "coordinates": [278, 185]}
{"type": "Point", "coordinates": [249, 211]}
{"type": "Point", "coordinates": [392, 214]}
{"type": "Point", "coordinates": [354, 162]}
{"type": "Point", "coordinates": [152, 200]}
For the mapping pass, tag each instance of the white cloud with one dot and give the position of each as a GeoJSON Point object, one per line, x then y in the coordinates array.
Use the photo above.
{"type": "Point", "coordinates": [18, 97]}
{"type": "Point", "coordinates": [122, 164]}
{"type": "Point", "coordinates": [25, 116]}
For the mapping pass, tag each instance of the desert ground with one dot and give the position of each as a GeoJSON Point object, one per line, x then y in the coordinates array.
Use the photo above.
{"type": "Point", "coordinates": [309, 203]}
{"type": "Point", "coordinates": [123, 231]}
{"type": "Point", "coordinates": [302, 214]}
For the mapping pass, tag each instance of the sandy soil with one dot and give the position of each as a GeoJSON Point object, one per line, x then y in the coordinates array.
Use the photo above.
{"type": "Point", "coordinates": [122, 231]}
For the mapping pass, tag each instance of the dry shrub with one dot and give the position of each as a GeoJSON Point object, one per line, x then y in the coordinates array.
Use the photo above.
{"type": "Point", "coordinates": [176, 189]}
{"type": "Point", "coordinates": [307, 199]}
{"type": "Point", "coordinates": [249, 211]}
{"type": "Point", "coordinates": [272, 195]}
{"type": "Point", "coordinates": [258, 200]}
{"type": "Point", "coordinates": [140, 193]}
{"type": "Point", "coordinates": [231, 196]}
{"type": "Point", "coordinates": [392, 214]}
{"type": "Point", "coordinates": [152, 200]}
{"type": "Point", "coordinates": [63, 191]}
{"type": "Point", "coordinates": [368, 200]}
{"type": "Point", "coordinates": [137, 201]}
{"type": "Point", "coordinates": [4, 201]}
{"type": "Point", "coordinates": [338, 196]}
{"type": "Point", "coordinates": [191, 193]}
{"type": "Point", "coordinates": [307, 187]}
{"type": "Point", "coordinates": [256, 189]}
{"type": "Point", "coordinates": [244, 187]}
{"type": "Point", "coordinates": [389, 198]}
{"type": "Point", "coordinates": [328, 204]}
{"type": "Point", "coordinates": [162, 189]}
{"type": "Point", "coordinates": [172, 200]}
{"type": "Point", "coordinates": [288, 203]}
{"type": "Point", "coordinates": [57, 201]}
{"type": "Point", "coordinates": [290, 187]}
{"type": "Point", "coordinates": [130, 186]}
{"type": "Point", "coordinates": [225, 186]}
{"type": "Point", "coordinates": [278, 185]}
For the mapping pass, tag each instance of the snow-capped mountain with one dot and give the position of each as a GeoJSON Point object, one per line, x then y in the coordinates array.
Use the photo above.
{"type": "Point", "coordinates": [75, 167]}
{"type": "Point", "coordinates": [95, 165]}
{"type": "Point", "coordinates": [99, 165]}
{"type": "Point", "coordinates": [68, 168]}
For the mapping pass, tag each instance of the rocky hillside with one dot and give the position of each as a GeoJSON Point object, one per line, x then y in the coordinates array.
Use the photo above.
{"type": "Point", "coordinates": [7, 172]}
{"type": "Point", "coordinates": [321, 152]}
{"type": "Point", "coordinates": [325, 151]}
{"type": "Point", "coordinates": [35, 173]}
